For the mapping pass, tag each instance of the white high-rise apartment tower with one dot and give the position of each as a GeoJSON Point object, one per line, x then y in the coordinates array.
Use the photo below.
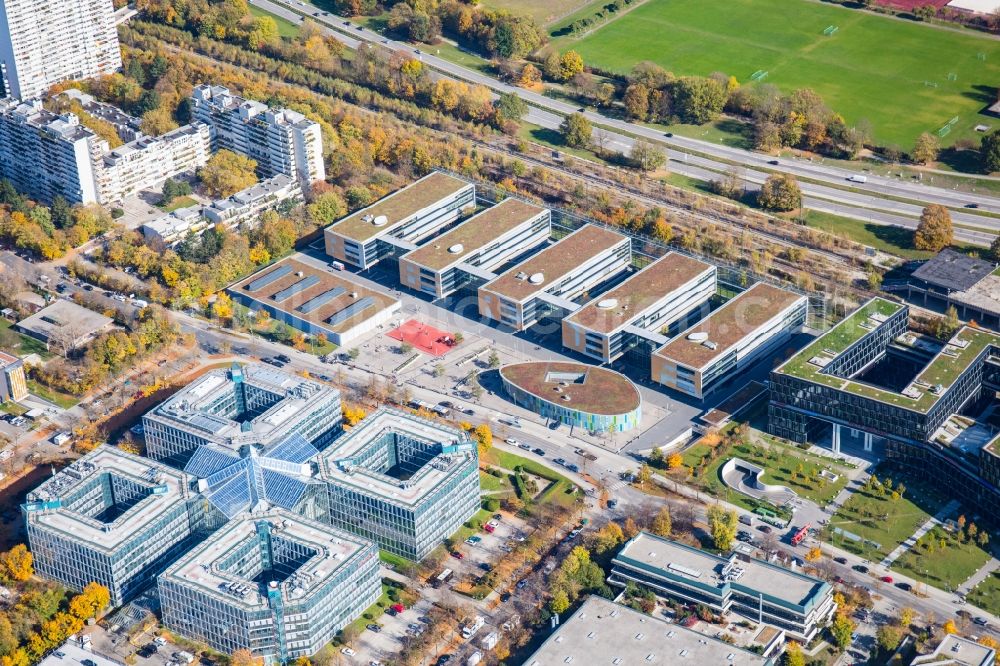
{"type": "Point", "coordinates": [43, 42]}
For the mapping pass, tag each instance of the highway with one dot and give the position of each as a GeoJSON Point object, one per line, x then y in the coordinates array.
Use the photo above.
{"type": "Point", "coordinates": [695, 158]}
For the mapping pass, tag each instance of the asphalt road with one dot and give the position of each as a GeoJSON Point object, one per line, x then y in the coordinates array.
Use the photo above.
{"type": "Point", "coordinates": [866, 202]}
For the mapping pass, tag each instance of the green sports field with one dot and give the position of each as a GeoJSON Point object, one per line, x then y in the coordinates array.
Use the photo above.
{"type": "Point", "coordinates": [872, 67]}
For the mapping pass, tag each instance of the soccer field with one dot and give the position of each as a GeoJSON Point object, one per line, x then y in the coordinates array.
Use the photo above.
{"type": "Point", "coordinates": [872, 67]}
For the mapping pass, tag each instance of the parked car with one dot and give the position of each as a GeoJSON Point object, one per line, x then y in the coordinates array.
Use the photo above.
{"type": "Point", "coordinates": [348, 651]}
{"type": "Point", "coordinates": [374, 627]}
{"type": "Point", "coordinates": [981, 621]}
{"type": "Point", "coordinates": [399, 608]}
{"type": "Point", "coordinates": [559, 461]}
{"type": "Point", "coordinates": [457, 555]}
{"type": "Point", "coordinates": [886, 579]}
{"type": "Point", "coordinates": [840, 560]}
{"type": "Point", "coordinates": [860, 568]}
{"type": "Point", "coordinates": [538, 452]}
{"type": "Point", "coordinates": [904, 586]}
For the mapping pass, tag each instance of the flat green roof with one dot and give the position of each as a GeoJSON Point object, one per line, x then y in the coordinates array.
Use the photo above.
{"type": "Point", "coordinates": [473, 234]}
{"type": "Point", "coordinates": [398, 206]}
{"type": "Point", "coordinates": [946, 366]}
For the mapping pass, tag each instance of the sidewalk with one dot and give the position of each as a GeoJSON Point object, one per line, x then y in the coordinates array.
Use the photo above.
{"type": "Point", "coordinates": [982, 574]}
{"type": "Point", "coordinates": [944, 512]}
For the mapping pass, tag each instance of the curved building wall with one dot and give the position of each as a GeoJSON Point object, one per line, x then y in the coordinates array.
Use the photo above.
{"type": "Point", "coordinates": [570, 416]}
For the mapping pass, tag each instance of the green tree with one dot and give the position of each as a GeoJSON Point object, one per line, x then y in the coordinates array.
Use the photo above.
{"type": "Point", "coordinates": [935, 231]}
{"type": "Point", "coordinates": [842, 629]}
{"type": "Point", "coordinates": [559, 602]}
{"type": "Point", "coordinates": [510, 107]}
{"type": "Point", "coordinates": [994, 252]}
{"type": "Point", "coordinates": [989, 151]}
{"type": "Point", "coordinates": [925, 150]}
{"type": "Point", "coordinates": [780, 192]}
{"type": "Point", "coordinates": [576, 130]}
{"type": "Point", "coordinates": [647, 155]}
{"type": "Point", "coordinates": [722, 524]}
{"type": "Point", "coordinates": [888, 637]}
{"type": "Point", "coordinates": [636, 101]}
{"type": "Point", "coordinates": [793, 655]}
{"type": "Point", "coordinates": [226, 173]}
{"type": "Point", "coordinates": [699, 100]}
{"type": "Point", "coordinates": [326, 208]}
{"type": "Point", "coordinates": [662, 523]}
{"type": "Point", "coordinates": [17, 564]}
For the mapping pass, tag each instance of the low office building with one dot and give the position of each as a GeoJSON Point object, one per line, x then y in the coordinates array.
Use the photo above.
{"type": "Point", "coordinates": [394, 225]}
{"type": "Point", "coordinates": [272, 582]}
{"type": "Point", "coordinates": [245, 405]}
{"type": "Point", "coordinates": [65, 326]}
{"type": "Point", "coordinates": [113, 518]}
{"type": "Point", "coordinates": [465, 255]}
{"type": "Point", "coordinates": [970, 284]}
{"type": "Point", "coordinates": [871, 375]}
{"type": "Point", "coordinates": [14, 385]}
{"type": "Point", "coordinates": [148, 161]}
{"type": "Point", "coordinates": [316, 300]}
{"type": "Point", "coordinates": [603, 632]}
{"type": "Point", "coordinates": [578, 395]}
{"type": "Point", "coordinates": [405, 482]}
{"type": "Point", "coordinates": [756, 590]}
{"type": "Point", "coordinates": [281, 141]}
{"type": "Point", "coordinates": [954, 650]}
{"type": "Point", "coordinates": [547, 284]}
{"type": "Point", "coordinates": [647, 302]}
{"type": "Point", "coordinates": [747, 327]}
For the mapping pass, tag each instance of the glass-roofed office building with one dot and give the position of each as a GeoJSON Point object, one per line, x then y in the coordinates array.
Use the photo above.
{"type": "Point", "coordinates": [244, 405]}
{"type": "Point", "coordinates": [407, 483]}
{"type": "Point", "coordinates": [113, 518]}
{"type": "Point", "coordinates": [272, 582]}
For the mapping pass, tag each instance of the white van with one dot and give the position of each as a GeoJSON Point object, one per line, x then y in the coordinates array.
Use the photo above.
{"type": "Point", "coordinates": [856, 178]}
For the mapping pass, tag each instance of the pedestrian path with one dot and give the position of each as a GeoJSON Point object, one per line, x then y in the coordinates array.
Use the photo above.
{"type": "Point", "coordinates": [945, 511]}
{"type": "Point", "coordinates": [981, 574]}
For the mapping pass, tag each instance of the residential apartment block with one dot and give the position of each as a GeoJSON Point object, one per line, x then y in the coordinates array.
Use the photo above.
{"type": "Point", "coordinates": [394, 225]}
{"type": "Point", "coordinates": [546, 284]}
{"type": "Point", "coordinates": [43, 42]}
{"type": "Point", "coordinates": [148, 161]}
{"type": "Point", "coordinates": [281, 141]}
{"type": "Point", "coordinates": [405, 482]}
{"type": "Point", "coordinates": [733, 337]}
{"type": "Point", "coordinates": [113, 518]}
{"type": "Point", "coordinates": [244, 405]}
{"type": "Point", "coordinates": [45, 155]}
{"type": "Point", "coordinates": [240, 211]}
{"type": "Point", "coordinates": [272, 582]}
{"type": "Point", "coordinates": [14, 385]}
{"type": "Point", "coordinates": [759, 591]}
{"type": "Point", "coordinates": [468, 253]}
{"type": "Point", "coordinates": [649, 301]}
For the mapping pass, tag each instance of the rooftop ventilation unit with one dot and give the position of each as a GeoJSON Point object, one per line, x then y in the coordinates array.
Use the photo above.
{"type": "Point", "coordinates": [380, 221]}
{"type": "Point", "coordinates": [607, 303]}
{"type": "Point", "coordinates": [456, 248]}
{"type": "Point", "coordinates": [697, 336]}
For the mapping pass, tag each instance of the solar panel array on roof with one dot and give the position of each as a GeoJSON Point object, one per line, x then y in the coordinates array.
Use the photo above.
{"type": "Point", "coordinates": [354, 308]}
{"type": "Point", "coordinates": [321, 300]}
{"type": "Point", "coordinates": [301, 285]}
{"type": "Point", "coordinates": [206, 461]}
{"type": "Point", "coordinates": [206, 422]}
{"type": "Point", "coordinates": [262, 282]}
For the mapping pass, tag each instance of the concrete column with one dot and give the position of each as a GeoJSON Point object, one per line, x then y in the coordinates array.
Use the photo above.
{"type": "Point", "coordinates": [836, 438]}
{"type": "Point", "coordinates": [868, 441]}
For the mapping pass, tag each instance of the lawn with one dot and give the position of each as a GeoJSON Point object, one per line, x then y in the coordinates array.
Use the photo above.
{"type": "Point", "coordinates": [285, 27]}
{"type": "Point", "coordinates": [882, 520]}
{"type": "Point", "coordinates": [890, 239]}
{"type": "Point", "coordinates": [63, 400]}
{"type": "Point", "coordinates": [177, 202]}
{"type": "Point", "coordinates": [397, 562]}
{"type": "Point", "coordinates": [986, 595]}
{"type": "Point", "coordinates": [904, 77]}
{"type": "Point", "coordinates": [782, 466]}
{"type": "Point", "coordinates": [496, 486]}
{"type": "Point", "coordinates": [944, 568]}
{"type": "Point", "coordinates": [559, 491]}
{"type": "Point", "coordinates": [14, 343]}
{"type": "Point", "coordinates": [546, 12]}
